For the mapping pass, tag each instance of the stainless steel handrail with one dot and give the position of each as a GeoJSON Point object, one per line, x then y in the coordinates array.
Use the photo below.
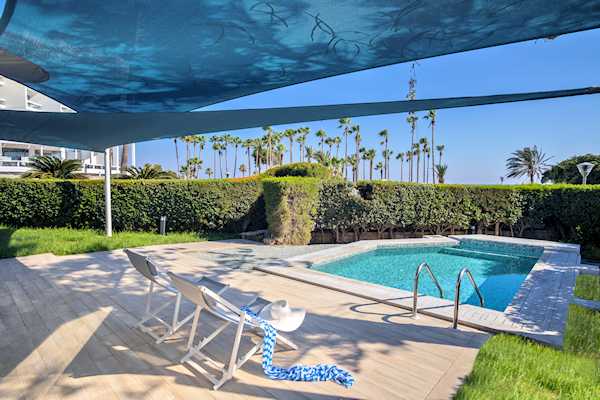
{"type": "Point", "coordinates": [416, 284]}
{"type": "Point", "coordinates": [457, 293]}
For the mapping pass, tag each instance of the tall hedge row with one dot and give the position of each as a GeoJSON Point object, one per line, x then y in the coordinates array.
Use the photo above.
{"type": "Point", "coordinates": [207, 205]}
{"type": "Point", "coordinates": [296, 206]}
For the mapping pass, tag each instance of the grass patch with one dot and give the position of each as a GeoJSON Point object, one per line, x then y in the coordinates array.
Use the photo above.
{"type": "Point", "coordinates": [511, 367]}
{"type": "Point", "coordinates": [63, 241]}
{"type": "Point", "coordinates": [588, 287]}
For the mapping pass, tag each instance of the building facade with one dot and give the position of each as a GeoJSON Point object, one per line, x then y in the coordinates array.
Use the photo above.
{"type": "Point", "coordinates": [15, 157]}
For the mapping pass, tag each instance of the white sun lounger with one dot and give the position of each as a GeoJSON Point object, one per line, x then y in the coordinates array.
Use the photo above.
{"type": "Point", "coordinates": [226, 308]}
{"type": "Point", "coordinates": [159, 280]}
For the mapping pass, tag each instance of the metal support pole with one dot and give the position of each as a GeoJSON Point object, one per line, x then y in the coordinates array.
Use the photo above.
{"type": "Point", "coordinates": [107, 202]}
{"type": "Point", "coordinates": [133, 164]}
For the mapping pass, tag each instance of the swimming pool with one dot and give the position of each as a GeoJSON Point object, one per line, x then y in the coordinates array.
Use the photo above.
{"type": "Point", "coordinates": [499, 269]}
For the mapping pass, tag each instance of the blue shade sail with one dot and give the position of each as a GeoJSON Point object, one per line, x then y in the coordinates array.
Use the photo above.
{"type": "Point", "coordinates": [97, 131]}
{"type": "Point", "coordinates": [179, 55]}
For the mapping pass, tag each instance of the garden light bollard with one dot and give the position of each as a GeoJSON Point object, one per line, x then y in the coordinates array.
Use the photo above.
{"type": "Point", "coordinates": [163, 225]}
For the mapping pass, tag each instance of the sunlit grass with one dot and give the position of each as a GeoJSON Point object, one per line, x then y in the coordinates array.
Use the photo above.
{"type": "Point", "coordinates": [62, 241]}
{"type": "Point", "coordinates": [511, 367]}
{"type": "Point", "coordinates": [588, 287]}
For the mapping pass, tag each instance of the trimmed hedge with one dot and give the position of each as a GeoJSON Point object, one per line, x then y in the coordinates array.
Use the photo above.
{"type": "Point", "coordinates": [393, 206]}
{"type": "Point", "coordinates": [557, 212]}
{"type": "Point", "coordinates": [562, 212]}
{"type": "Point", "coordinates": [290, 205]}
{"type": "Point", "coordinates": [189, 205]}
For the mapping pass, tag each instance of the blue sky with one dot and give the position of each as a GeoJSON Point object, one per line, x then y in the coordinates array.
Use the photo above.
{"type": "Point", "coordinates": [478, 139]}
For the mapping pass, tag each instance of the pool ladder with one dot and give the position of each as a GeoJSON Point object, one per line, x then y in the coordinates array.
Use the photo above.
{"type": "Point", "coordinates": [425, 266]}
{"type": "Point", "coordinates": [461, 274]}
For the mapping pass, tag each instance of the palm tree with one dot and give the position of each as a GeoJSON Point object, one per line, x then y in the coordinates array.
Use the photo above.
{"type": "Point", "coordinates": [269, 138]}
{"type": "Point", "coordinates": [236, 142]}
{"type": "Point", "coordinates": [427, 153]}
{"type": "Point", "coordinates": [44, 167]}
{"type": "Point", "coordinates": [321, 135]}
{"type": "Point", "coordinates": [310, 153]}
{"type": "Point", "coordinates": [370, 154]}
{"type": "Point", "coordinates": [149, 171]}
{"type": "Point", "coordinates": [215, 147]}
{"type": "Point", "coordinates": [329, 142]}
{"type": "Point", "coordinates": [201, 141]}
{"type": "Point", "coordinates": [412, 117]}
{"type": "Point", "coordinates": [248, 144]}
{"type": "Point", "coordinates": [301, 140]}
{"type": "Point", "coordinates": [400, 157]}
{"type": "Point", "coordinates": [345, 123]}
{"type": "Point", "coordinates": [431, 117]}
{"type": "Point", "coordinates": [176, 153]}
{"type": "Point", "coordinates": [440, 171]}
{"type": "Point", "coordinates": [194, 164]}
{"type": "Point", "coordinates": [209, 172]}
{"type": "Point", "coordinates": [290, 133]}
{"type": "Point", "coordinates": [337, 141]}
{"type": "Point", "coordinates": [279, 152]}
{"type": "Point", "coordinates": [527, 161]}
{"type": "Point", "coordinates": [357, 140]}
{"type": "Point", "coordinates": [440, 148]}
{"type": "Point", "coordinates": [423, 145]}
{"type": "Point", "coordinates": [379, 167]}
{"type": "Point", "coordinates": [386, 155]}
{"type": "Point", "coordinates": [412, 121]}
{"type": "Point", "coordinates": [363, 157]}
{"type": "Point", "coordinates": [243, 170]}
{"type": "Point", "coordinates": [225, 142]}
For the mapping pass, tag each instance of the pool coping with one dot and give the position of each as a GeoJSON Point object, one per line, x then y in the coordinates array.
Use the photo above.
{"type": "Point", "coordinates": [538, 310]}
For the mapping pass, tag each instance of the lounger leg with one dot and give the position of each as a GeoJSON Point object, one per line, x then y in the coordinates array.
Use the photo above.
{"type": "Point", "coordinates": [232, 365]}
{"type": "Point", "coordinates": [190, 342]}
{"type": "Point", "coordinates": [176, 313]}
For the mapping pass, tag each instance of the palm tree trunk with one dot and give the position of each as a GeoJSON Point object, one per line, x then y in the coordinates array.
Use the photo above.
{"type": "Point", "coordinates": [401, 170]}
{"type": "Point", "coordinates": [235, 161]}
{"type": "Point", "coordinates": [371, 169]}
{"type": "Point", "coordinates": [176, 155]}
{"type": "Point", "coordinates": [291, 150]}
{"type": "Point", "coordinates": [418, 164]}
{"type": "Point", "coordinates": [345, 154]}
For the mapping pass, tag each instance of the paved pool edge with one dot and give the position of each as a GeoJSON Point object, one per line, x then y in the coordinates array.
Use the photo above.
{"type": "Point", "coordinates": [538, 310]}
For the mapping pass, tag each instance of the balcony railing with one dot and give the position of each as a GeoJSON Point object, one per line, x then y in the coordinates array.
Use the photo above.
{"type": "Point", "coordinates": [8, 165]}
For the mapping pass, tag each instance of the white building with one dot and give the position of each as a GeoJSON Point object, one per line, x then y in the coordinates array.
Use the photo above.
{"type": "Point", "coordinates": [15, 157]}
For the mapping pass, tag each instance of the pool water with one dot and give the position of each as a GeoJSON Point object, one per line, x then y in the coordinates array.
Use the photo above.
{"type": "Point", "coordinates": [498, 269]}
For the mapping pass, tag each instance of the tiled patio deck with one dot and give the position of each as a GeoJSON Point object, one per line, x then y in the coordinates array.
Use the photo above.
{"type": "Point", "coordinates": [66, 333]}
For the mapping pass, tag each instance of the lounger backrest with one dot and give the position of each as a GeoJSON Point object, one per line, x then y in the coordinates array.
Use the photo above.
{"type": "Point", "coordinates": [204, 297]}
{"type": "Point", "coordinates": [141, 264]}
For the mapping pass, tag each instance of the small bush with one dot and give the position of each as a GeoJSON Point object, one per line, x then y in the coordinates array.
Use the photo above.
{"type": "Point", "coordinates": [304, 169]}
{"type": "Point", "coordinates": [290, 204]}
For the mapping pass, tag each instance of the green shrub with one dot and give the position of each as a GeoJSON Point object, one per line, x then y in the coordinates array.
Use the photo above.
{"type": "Point", "coordinates": [303, 169]}
{"type": "Point", "coordinates": [189, 205]}
{"type": "Point", "coordinates": [290, 205]}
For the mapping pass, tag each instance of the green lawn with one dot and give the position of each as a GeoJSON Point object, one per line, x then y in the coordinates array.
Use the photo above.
{"type": "Point", "coordinates": [61, 241]}
{"type": "Point", "coordinates": [588, 287]}
{"type": "Point", "coordinates": [510, 367]}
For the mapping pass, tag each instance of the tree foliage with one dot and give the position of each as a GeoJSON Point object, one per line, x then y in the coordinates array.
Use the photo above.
{"type": "Point", "coordinates": [149, 171]}
{"type": "Point", "coordinates": [44, 167]}
{"type": "Point", "coordinates": [566, 170]}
